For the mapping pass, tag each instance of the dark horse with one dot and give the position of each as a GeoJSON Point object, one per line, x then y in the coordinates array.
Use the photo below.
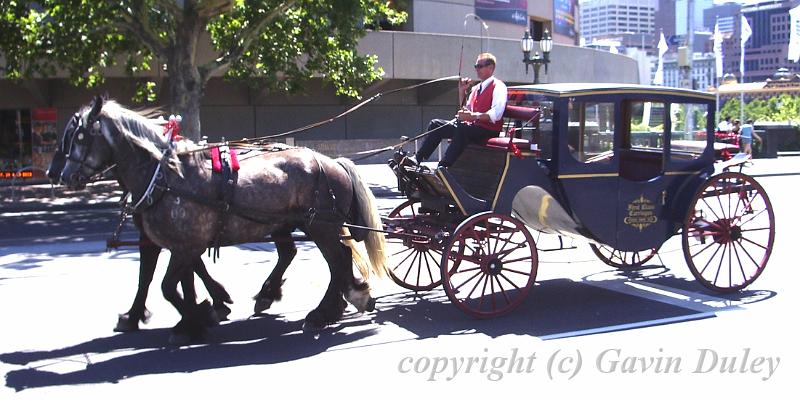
{"type": "Point", "coordinates": [275, 190]}
{"type": "Point", "coordinates": [149, 252]}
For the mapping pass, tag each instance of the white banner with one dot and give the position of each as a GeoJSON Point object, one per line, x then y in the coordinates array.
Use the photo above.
{"type": "Point", "coordinates": [718, 50]}
{"type": "Point", "coordinates": [745, 36]}
{"type": "Point", "coordinates": [662, 49]}
{"type": "Point", "coordinates": [794, 35]}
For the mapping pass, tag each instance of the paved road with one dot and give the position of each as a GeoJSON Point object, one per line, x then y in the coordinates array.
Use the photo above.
{"type": "Point", "coordinates": [587, 331]}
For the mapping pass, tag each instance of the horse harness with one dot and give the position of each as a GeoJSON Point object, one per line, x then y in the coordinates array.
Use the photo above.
{"type": "Point", "coordinates": [223, 202]}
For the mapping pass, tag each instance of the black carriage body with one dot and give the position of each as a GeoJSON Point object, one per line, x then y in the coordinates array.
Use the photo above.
{"type": "Point", "coordinates": [625, 167]}
{"type": "Point", "coordinates": [631, 197]}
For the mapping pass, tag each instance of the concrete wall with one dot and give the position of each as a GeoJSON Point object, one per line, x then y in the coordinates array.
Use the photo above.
{"type": "Point", "coordinates": [235, 110]}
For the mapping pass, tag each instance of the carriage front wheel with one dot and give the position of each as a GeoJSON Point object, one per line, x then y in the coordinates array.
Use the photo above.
{"type": "Point", "coordinates": [413, 261]}
{"type": "Point", "coordinates": [728, 232]}
{"type": "Point", "coordinates": [623, 259]}
{"type": "Point", "coordinates": [496, 265]}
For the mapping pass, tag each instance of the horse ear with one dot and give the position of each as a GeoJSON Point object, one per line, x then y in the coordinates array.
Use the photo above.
{"type": "Point", "coordinates": [97, 105]}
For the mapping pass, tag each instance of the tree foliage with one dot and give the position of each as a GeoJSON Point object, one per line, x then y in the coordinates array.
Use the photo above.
{"type": "Point", "coordinates": [280, 43]}
{"type": "Point", "coordinates": [775, 109]}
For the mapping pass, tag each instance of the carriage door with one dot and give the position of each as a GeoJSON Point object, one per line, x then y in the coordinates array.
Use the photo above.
{"type": "Point", "coordinates": [641, 219]}
{"type": "Point", "coordinates": [588, 167]}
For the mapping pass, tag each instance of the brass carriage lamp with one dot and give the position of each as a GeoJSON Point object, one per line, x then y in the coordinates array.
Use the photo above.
{"type": "Point", "coordinates": [545, 45]}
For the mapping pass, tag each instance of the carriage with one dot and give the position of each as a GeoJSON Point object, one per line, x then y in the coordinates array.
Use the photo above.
{"type": "Point", "coordinates": [605, 163]}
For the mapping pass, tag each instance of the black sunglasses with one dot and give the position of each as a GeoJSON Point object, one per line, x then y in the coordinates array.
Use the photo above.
{"type": "Point", "coordinates": [484, 64]}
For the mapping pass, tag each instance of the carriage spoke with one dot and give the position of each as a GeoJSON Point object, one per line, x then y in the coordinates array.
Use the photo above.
{"type": "Point", "coordinates": [428, 266]}
{"type": "Point", "coordinates": [411, 265]}
{"type": "Point", "coordinates": [758, 267]}
{"type": "Point", "coordinates": [730, 266]}
{"type": "Point", "coordinates": [704, 248]}
{"type": "Point", "coordinates": [483, 291]}
{"type": "Point", "coordinates": [739, 259]}
{"type": "Point", "coordinates": [503, 290]}
{"type": "Point", "coordinates": [468, 280]}
{"type": "Point", "coordinates": [491, 286]}
{"type": "Point", "coordinates": [719, 267]}
{"type": "Point", "coordinates": [419, 266]}
{"type": "Point", "coordinates": [711, 209]}
{"type": "Point", "coordinates": [710, 260]}
{"type": "Point", "coordinates": [509, 281]}
{"type": "Point", "coordinates": [753, 217]}
{"type": "Point", "coordinates": [516, 271]}
{"type": "Point", "coordinates": [517, 260]}
{"type": "Point", "coordinates": [756, 229]}
{"type": "Point", "coordinates": [401, 251]}
{"type": "Point", "coordinates": [756, 244]}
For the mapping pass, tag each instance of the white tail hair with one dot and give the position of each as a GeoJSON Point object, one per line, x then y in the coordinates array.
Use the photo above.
{"type": "Point", "coordinates": [367, 209]}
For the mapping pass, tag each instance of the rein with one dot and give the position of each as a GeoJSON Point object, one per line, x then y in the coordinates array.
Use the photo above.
{"type": "Point", "coordinates": [259, 140]}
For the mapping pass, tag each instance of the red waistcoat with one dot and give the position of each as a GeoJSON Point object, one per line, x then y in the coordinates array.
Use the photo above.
{"type": "Point", "coordinates": [481, 103]}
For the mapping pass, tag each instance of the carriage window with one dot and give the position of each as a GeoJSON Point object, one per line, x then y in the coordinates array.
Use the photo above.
{"type": "Point", "coordinates": [647, 126]}
{"type": "Point", "coordinates": [591, 131]}
{"type": "Point", "coordinates": [689, 127]}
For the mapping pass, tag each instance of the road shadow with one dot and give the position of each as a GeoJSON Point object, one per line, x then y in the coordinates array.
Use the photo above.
{"type": "Point", "coordinates": [561, 308]}
{"type": "Point", "coordinates": [255, 341]}
{"type": "Point", "coordinates": [555, 309]}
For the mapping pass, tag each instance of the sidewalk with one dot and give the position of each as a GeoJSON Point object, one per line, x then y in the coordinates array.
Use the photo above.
{"type": "Point", "coordinates": [45, 197]}
{"type": "Point", "coordinates": [106, 194]}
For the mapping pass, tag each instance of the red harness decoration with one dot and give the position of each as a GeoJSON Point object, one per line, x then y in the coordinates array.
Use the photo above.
{"type": "Point", "coordinates": [219, 153]}
{"type": "Point", "coordinates": [173, 128]}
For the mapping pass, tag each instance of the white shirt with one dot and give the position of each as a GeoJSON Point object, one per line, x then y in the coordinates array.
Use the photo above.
{"type": "Point", "coordinates": [499, 97]}
{"type": "Point", "coordinates": [724, 126]}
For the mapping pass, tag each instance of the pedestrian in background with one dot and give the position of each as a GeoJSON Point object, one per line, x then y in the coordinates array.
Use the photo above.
{"type": "Point", "coordinates": [746, 135]}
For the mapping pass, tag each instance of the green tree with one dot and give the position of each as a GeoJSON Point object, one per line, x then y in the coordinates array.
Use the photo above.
{"type": "Point", "coordinates": [776, 109]}
{"type": "Point", "coordinates": [281, 43]}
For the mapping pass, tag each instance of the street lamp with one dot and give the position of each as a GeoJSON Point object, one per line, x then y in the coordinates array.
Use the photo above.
{"type": "Point", "coordinates": [545, 45]}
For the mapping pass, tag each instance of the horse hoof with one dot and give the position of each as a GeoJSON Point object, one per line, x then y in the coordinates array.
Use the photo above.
{"type": "Point", "coordinates": [222, 311]}
{"type": "Point", "coordinates": [262, 304]}
{"type": "Point", "coordinates": [126, 325]}
{"type": "Point", "coordinates": [207, 315]}
{"type": "Point", "coordinates": [146, 316]}
{"type": "Point", "coordinates": [313, 327]}
{"type": "Point", "coordinates": [315, 322]}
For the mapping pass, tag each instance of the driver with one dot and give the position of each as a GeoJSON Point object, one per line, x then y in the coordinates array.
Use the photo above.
{"type": "Point", "coordinates": [477, 121]}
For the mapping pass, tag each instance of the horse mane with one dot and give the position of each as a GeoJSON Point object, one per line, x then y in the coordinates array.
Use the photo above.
{"type": "Point", "coordinates": [144, 132]}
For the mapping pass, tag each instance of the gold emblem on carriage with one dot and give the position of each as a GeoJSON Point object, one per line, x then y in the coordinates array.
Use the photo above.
{"type": "Point", "coordinates": [641, 213]}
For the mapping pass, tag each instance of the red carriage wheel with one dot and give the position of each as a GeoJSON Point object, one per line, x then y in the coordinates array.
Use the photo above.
{"type": "Point", "coordinates": [490, 265]}
{"type": "Point", "coordinates": [623, 259]}
{"type": "Point", "coordinates": [413, 262]}
{"type": "Point", "coordinates": [729, 232]}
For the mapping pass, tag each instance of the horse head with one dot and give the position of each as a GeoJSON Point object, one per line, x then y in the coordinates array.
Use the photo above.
{"type": "Point", "coordinates": [85, 150]}
{"type": "Point", "coordinates": [60, 155]}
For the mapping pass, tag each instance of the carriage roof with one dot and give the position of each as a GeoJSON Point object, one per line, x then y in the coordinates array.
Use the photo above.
{"type": "Point", "coordinates": [589, 89]}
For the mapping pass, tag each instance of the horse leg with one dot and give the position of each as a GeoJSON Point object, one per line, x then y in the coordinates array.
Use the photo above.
{"type": "Point", "coordinates": [148, 257]}
{"type": "Point", "coordinates": [331, 308]}
{"type": "Point", "coordinates": [194, 317]}
{"type": "Point", "coordinates": [215, 289]}
{"type": "Point", "coordinates": [355, 291]}
{"type": "Point", "coordinates": [271, 289]}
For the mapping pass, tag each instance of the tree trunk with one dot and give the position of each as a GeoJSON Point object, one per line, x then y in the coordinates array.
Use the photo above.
{"type": "Point", "coordinates": [186, 84]}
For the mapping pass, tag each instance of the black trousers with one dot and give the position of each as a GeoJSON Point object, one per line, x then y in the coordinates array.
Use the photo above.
{"type": "Point", "coordinates": [460, 133]}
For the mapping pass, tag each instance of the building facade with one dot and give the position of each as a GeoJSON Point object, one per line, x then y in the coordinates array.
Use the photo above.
{"type": "Point", "coordinates": [600, 19]}
{"type": "Point", "coordinates": [703, 71]}
{"type": "Point", "coordinates": [767, 49]}
{"type": "Point", "coordinates": [429, 46]}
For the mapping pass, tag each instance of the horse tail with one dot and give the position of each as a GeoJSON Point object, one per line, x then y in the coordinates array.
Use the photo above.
{"type": "Point", "coordinates": [367, 209]}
